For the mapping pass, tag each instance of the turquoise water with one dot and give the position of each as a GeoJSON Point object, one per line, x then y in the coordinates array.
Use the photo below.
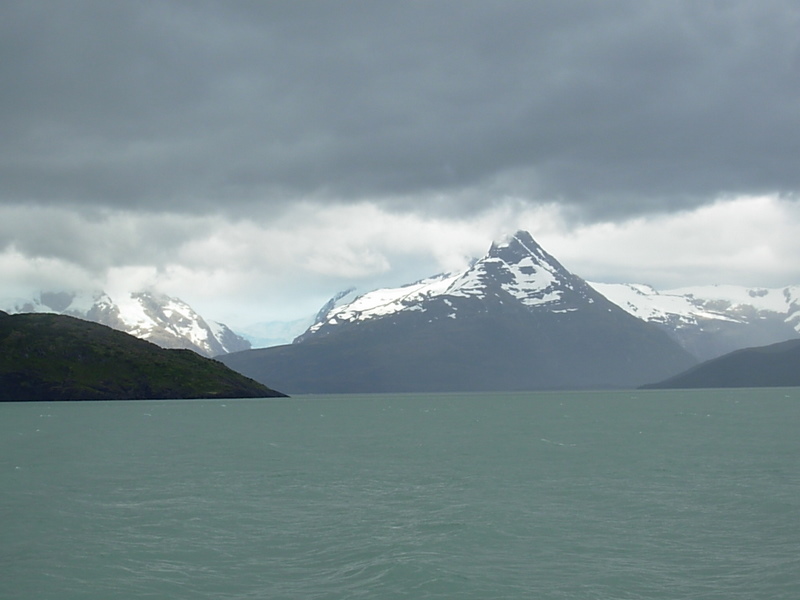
{"type": "Point", "coordinates": [591, 495]}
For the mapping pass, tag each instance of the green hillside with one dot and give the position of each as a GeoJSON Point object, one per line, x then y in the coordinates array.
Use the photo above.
{"type": "Point", "coordinates": [54, 357]}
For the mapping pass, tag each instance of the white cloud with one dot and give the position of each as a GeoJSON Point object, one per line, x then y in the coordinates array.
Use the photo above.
{"type": "Point", "coordinates": [749, 240]}
{"type": "Point", "coordinates": [286, 266]}
{"type": "Point", "coordinates": [23, 276]}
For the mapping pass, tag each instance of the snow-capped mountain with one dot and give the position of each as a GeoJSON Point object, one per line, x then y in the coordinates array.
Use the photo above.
{"type": "Point", "coordinates": [515, 319]}
{"type": "Point", "coordinates": [165, 321]}
{"type": "Point", "coordinates": [713, 320]}
{"type": "Point", "coordinates": [516, 267]}
{"type": "Point", "coordinates": [707, 321]}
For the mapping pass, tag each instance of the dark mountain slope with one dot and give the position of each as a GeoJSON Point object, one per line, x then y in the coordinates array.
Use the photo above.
{"type": "Point", "coordinates": [776, 365]}
{"type": "Point", "coordinates": [55, 357]}
{"type": "Point", "coordinates": [515, 320]}
{"type": "Point", "coordinates": [491, 353]}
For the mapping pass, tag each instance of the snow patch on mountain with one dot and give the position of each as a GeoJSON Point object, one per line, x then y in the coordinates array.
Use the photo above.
{"type": "Point", "coordinates": [706, 320]}
{"type": "Point", "coordinates": [730, 297]}
{"type": "Point", "coordinates": [648, 304]}
{"type": "Point", "coordinates": [133, 315]}
{"type": "Point", "coordinates": [165, 321]}
{"type": "Point", "coordinates": [218, 330]}
{"type": "Point", "coordinates": [382, 302]}
{"type": "Point", "coordinates": [528, 281]}
{"type": "Point", "coordinates": [522, 269]}
{"type": "Point", "coordinates": [517, 266]}
{"type": "Point", "coordinates": [690, 305]}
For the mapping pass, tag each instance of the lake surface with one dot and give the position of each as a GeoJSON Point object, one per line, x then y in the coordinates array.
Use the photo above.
{"type": "Point", "coordinates": [583, 495]}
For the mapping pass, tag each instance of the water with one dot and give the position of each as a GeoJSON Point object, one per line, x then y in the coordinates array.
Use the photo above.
{"type": "Point", "coordinates": [678, 495]}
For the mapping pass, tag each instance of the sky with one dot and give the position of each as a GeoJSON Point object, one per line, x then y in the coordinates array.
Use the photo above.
{"type": "Point", "coordinates": [254, 158]}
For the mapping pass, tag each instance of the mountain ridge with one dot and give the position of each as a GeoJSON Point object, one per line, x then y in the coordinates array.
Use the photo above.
{"type": "Point", "coordinates": [774, 365]}
{"type": "Point", "coordinates": [166, 321]}
{"type": "Point", "coordinates": [713, 320]}
{"type": "Point", "coordinates": [518, 266]}
{"type": "Point", "coordinates": [707, 320]}
{"type": "Point", "coordinates": [50, 357]}
{"type": "Point", "coordinates": [516, 319]}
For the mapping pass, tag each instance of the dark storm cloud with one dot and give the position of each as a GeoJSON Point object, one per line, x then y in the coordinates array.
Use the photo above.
{"type": "Point", "coordinates": [616, 106]}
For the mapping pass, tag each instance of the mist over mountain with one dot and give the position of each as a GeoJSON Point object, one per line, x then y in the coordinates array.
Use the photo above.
{"type": "Point", "coordinates": [165, 321]}
{"type": "Point", "coordinates": [516, 319]}
{"type": "Point", "coordinates": [274, 333]}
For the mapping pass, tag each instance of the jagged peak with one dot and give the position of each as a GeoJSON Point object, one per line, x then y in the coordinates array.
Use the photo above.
{"type": "Point", "coordinates": [336, 300]}
{"type": "Point", "coordinates": [521, 245]}
{"type": "Point", "coordinates": [167, 321]}
{"type": "Point", "coordinates": [516, 266]}
{"type": "Point", "coordinates": [520, 237]}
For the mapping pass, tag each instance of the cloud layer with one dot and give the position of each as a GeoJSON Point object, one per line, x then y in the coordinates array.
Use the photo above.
{"type": "Point", "coordinates": [243, 271]}
{"type": "Point", "coordinates": [623, 106]}
{"type": "Point", "coordinates": [270, 142]}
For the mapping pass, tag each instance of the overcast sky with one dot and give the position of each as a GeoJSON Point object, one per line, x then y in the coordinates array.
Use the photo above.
{"type": "Point", "coordinates": [254, 158]}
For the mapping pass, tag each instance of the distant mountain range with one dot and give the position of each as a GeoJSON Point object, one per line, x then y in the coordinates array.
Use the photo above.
{"type": "Point", "coordinates": [516, 319]}
{"type": "Point", "coordinates": [47, 357]}
{"type": "Point", "coordinates": [708, 321]}
{"type": "Point", "coordinates": [713, 320]}
{"type": "Point", "coordinates": [775, 365]}
{"type": "Point", "coordinates": [165, 321]}
{"type": "Point", "coordinates": [274, 333]}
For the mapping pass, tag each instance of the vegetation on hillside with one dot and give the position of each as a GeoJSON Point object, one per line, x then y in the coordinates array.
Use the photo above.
{"type": "Point", "coordinates": [55, 357]}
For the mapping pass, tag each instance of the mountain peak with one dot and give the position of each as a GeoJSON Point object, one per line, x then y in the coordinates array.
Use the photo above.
{"type": "Point", "coordinates": [519, 246]}
{"type": "Point", "coordinates": [514, 319]}
{"type": "Point", "coordinates": [522, 268]}
{"type": "Point", "coordinates": [158, 318]}
{"type": "Point", "coordinates": [519, 238]}
{"type": "Point", "coordinates": [515, 271]}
